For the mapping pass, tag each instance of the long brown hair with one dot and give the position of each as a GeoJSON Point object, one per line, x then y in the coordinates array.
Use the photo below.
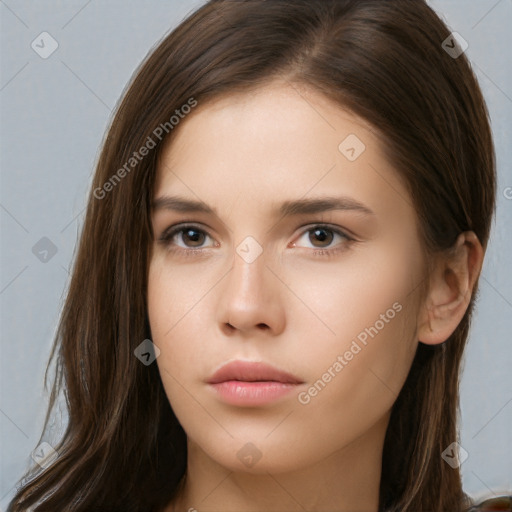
{"type": "Point", "coordinates": [123, 448]}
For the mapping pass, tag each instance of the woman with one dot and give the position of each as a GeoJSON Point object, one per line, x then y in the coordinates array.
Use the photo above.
{"type": "Point", "coordinates": [277, 270]}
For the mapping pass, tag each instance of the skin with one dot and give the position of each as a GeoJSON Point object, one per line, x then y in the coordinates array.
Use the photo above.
{"type": "Point", "coordinates": [294, 307]}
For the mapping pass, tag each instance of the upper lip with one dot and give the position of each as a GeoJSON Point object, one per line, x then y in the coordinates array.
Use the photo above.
{"type": "Point", "coordinates": [251, 372]}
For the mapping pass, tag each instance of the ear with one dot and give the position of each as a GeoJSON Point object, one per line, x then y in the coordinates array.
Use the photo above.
{"type": "Point", "coordinates": [451, 287]}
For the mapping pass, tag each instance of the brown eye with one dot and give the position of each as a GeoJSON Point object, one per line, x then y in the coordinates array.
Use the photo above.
{"type": "Point", "coordinates": [323, 236]}
{"type": "Point", "coordinates": [186, 237]}
{"type": "Point", "coordinates": [323, 240]}
{"type": "Point", "coordinates": [193, 237]}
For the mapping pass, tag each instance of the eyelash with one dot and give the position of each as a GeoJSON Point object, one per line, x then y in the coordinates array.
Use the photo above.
{"type": "Point", "coordinates": [166, 240]}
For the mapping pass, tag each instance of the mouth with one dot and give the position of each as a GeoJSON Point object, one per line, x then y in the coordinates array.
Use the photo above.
{"type": "Point", "coordinates": [246, 371]}
{"type": "Point", "coordinates": [250, 384]}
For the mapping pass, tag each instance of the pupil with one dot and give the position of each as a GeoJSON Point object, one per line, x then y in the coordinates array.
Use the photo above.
{"type": "Point", "coordinates": [322, 235]}
{"type": "Point", "coordinates": [194, 236]}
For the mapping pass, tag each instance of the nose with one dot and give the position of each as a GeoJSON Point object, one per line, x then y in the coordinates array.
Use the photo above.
{"type": "Point", "coordinates": [251, 300]}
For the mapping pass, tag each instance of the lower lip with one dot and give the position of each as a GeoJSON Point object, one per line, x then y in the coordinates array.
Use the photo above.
{"type": "Point", "coordinates": [251, 394]}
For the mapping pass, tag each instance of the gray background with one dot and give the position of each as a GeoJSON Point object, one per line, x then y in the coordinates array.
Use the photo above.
{"type": "Point", "coordinates": [54, 113]}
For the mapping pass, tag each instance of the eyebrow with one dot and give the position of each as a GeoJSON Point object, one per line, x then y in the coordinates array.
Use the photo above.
{"type": "Point", "coordinates": [286, 209]}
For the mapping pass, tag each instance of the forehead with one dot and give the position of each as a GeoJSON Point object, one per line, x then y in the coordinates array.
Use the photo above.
{"type": "Point", "coordinates": [281, 141]}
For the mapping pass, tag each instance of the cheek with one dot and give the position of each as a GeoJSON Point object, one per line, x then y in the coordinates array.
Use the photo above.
{"type": "Point", "coordinates": [347, 296]}
{"type": "Point", "coordinates": [365, 327]}
{"type": "Point", "coordinates": [178, 298]}
{"type": "Point", "coordinates": [174, 293]}
{"type": "Point", "coordinates": [355, 377]}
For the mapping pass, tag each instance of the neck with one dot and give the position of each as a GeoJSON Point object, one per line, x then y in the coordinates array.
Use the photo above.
{"type": "Point", "coordinates": [346, 481]}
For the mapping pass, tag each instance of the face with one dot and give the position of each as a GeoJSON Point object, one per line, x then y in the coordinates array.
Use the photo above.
{"type": "Point", "coordinates": [283, 280]}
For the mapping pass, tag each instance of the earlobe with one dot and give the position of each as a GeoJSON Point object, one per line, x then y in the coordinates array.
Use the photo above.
{"type": "Point", "coordinates": [451, 285]}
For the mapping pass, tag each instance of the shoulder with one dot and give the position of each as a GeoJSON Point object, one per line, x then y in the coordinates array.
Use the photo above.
{"type": "Point", "coordinates": [497, 504]}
